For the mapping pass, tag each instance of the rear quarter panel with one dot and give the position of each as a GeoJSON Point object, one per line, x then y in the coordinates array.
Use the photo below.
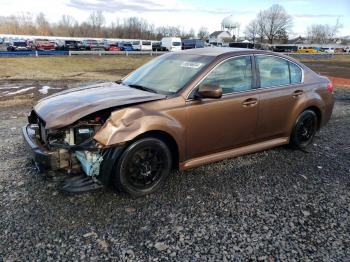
{"type": "Point", "coordinates": [315, 95]}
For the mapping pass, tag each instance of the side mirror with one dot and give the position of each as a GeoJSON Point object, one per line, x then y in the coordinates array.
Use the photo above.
{"type": "Point", "coordinates": [209, 91]}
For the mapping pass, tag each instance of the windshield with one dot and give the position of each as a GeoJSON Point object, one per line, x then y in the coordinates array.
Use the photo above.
{"type": "Point", "coordinates": [146, 43]}
{"type": "Point", "coordinates": [168, 73]}
{"type": "Point", "coordinates": [176, 43]}
{"type": "Point", "coordinates": [136, 42]}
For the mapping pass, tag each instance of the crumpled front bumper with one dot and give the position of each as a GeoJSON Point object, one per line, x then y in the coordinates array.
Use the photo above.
{"type": "Point", "coordinates": [45, 160]}
{"type": "Point", "coordinates": [61, 159]}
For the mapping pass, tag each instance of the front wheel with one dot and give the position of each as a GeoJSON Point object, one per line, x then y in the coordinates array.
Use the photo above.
{"type": "Point", "coordinates": [304, 130]}
{"type": "Point", "coordinates": [143, 167]}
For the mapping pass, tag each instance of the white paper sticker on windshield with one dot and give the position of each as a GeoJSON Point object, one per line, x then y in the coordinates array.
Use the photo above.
{"type": "Point", "coordinates": [191, 64]}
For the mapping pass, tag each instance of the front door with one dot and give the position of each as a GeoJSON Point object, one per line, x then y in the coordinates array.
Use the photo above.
{"type": "Point", "coordinates": [227, 122]}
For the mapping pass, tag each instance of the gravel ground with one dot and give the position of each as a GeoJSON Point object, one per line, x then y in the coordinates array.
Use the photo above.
{"type": "Point", "coordinates": [274, 205]}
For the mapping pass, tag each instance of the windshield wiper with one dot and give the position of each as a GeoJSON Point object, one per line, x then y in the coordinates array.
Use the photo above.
{"type": "Point", "coordinates": [143, 88]}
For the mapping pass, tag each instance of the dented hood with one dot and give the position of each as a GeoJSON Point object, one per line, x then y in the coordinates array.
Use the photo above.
{"type": "Point", "coordinates": [66, 107]}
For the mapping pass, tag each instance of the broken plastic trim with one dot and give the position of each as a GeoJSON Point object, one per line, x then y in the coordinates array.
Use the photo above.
{"type": "Point", "coordinates": [89, 145]}
{"type": "Point", "coordinates": [90, 162]}
{"type": "Point", "coordinates": [80, 183]}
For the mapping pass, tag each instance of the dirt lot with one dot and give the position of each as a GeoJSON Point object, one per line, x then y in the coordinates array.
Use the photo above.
{"type": "Point", "coordinates": [338, 66]}
{"type": "Point", "coordinates": [276, 205]}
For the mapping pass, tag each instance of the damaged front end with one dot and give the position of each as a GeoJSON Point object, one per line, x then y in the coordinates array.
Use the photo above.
{"type": "Point", "coordinates": [71, 151]}
{"type": "Point", "coordinates": [63, 129]}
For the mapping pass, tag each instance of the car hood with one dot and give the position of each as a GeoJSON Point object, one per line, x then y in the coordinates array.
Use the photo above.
{"type": "Point", "coordinates": [64, 108]}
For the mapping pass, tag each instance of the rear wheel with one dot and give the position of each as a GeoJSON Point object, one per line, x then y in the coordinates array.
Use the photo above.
{"type": "Point", "coordinates": [143, 167]}
{"type": "Point", "coordinates": [304, 130]}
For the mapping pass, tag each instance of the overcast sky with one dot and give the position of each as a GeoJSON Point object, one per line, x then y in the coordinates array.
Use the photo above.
{"type": "Point", "coordinates": [188, 14]}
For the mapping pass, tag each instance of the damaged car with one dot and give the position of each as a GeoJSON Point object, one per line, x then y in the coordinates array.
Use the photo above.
{"type": "Point", "coordinates": [178, 111]}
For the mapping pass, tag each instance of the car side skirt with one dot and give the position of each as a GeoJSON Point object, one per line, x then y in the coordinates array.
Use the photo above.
{"type": "Point", "coordinates": [195, 162]}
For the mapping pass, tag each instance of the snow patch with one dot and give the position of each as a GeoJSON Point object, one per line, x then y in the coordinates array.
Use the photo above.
{"type": "Point", "coordinates": [20, 91]}
{"type": "Point", "coordinates": [45, 89]}
{"type": "Point", "coordinates": [10, 87]}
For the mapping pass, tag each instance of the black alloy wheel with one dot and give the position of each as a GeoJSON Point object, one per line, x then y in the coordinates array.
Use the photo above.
{"type": "Point", "coordinates": [143, 167]}
{"type": "Point", "coordinates": [304, 130]}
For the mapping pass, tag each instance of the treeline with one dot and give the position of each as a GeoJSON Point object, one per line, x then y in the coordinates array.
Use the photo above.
{"type": "Point", "coordinates": [274, 25]}
{"type": "Point", "coordinates": [323, 34]}
{"type": "Point", "coordinates": [95, 26]}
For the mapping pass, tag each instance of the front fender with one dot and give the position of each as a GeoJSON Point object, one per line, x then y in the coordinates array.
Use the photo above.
{"type": "Point", "coordinates": [126, 124]}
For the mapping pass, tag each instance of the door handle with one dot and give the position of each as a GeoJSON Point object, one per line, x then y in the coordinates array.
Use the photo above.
{"type": "Point", "coordinates": [297, 93]}
{"type": "Point", "coordinates": [250, 102]}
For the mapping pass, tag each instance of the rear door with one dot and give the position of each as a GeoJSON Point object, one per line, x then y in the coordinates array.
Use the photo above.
{"type": "Point", "coordinates": [279, 88]}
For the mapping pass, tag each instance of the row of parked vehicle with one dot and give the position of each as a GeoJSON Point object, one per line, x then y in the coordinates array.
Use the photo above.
{"type": "Point", "coordinates": [66, 45]}
{"type": "Point", "coordinates": [328, 50]}
{"type": "Point", "coordinates": [166, 44]}
{"type": "Point", "coordinates": [310, 50]}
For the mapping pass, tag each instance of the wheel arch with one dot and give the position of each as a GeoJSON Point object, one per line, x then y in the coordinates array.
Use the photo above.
{"type": "Point", "coordinates": [114, 152]}
{"type": "Point", "coordinates": [168, 139]}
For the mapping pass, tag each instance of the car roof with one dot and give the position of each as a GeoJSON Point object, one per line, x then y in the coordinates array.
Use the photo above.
{"type": "Point", "coordinates": [216, 51]}
{"type": "Point", "coordinates": [231, 51]}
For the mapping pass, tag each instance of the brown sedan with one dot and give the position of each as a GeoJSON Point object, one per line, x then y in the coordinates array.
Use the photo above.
{"type": "Point", "coordinates": [180, 110]}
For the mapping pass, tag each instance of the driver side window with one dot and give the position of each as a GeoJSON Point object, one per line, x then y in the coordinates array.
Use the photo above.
{"type": "Point", "coordinates": [233, 75]}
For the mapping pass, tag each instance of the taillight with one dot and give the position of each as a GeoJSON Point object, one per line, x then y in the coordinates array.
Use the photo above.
{"type": "Point", "coordinates": [330, 87]}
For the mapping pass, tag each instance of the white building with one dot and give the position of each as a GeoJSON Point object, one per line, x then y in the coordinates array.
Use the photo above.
{"type": "Point", "coordinates": [217, 38]}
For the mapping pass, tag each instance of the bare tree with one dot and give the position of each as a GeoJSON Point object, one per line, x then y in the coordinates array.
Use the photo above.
{"type": "Point", "coordinates": [10, 25]}
{"type": "Point", "coordinates": [323, 34]}
{"type": "Point", "coordinates": [189, 34]}
{"type": "Point", "coordinates": [273, 21]}
{"type": "Point", "coordinates": [66, 25]}
{"type": "Point", "coordinates": [96, 20]}
{"type": "Point", "coordinates": [260, 20]}
{"type": "Point", "coordinates": [42, 24]}
{"type": "Point", "coordinates": [203, 33]}
{"type": "Point", "coordinates": [252, 30]}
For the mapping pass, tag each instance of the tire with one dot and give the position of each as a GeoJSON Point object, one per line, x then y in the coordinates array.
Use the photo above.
{"type": "Point", "coordinates": [143, 167]}
{"type": "Point", "coordinates": [304, 130]}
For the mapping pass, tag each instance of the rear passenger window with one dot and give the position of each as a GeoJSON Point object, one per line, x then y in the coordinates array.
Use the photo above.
{"type": "Point", "coordinates": [295, 73]}
{"type": "Point", "coordinates": [274, 71]}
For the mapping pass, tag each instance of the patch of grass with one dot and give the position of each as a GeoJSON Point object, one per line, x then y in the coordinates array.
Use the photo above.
{"type": "Point", "coordinates": [111, 68]}
{"type": "Point", "coordinates": [17, 101]}
{"type": "Point", "coordinates": [67, 68]}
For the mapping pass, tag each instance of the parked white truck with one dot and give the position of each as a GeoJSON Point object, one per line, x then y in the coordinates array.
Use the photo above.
{"type": "Point", "coordinates": [171, 43]}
